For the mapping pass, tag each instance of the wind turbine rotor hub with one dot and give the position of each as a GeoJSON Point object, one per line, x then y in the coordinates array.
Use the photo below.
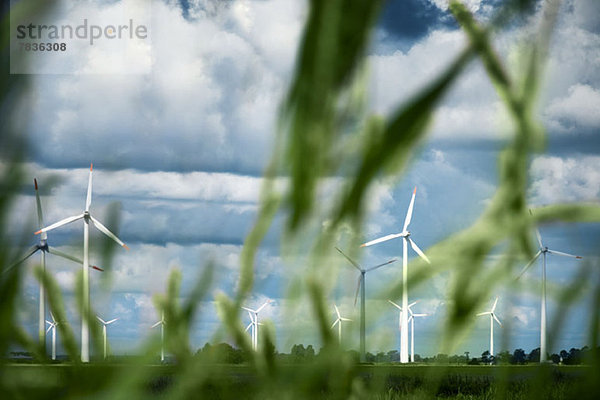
{"type": "Point", "coordinates": [43, 245]}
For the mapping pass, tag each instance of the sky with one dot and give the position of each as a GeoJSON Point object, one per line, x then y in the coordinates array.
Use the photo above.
{"type": "Point", "coordinates": [180, 140]}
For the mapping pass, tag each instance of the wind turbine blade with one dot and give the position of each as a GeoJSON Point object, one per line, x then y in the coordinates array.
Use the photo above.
{"type": "Point", "coordinates": [101, 320]}
{"type": "Point", "coordinates": [31, 251]}
{"type": "Point", "coordinates": [337, 311]}
{"type": "Point", "coordinates": [412, 304]}
{"type": "Point", "coordinates": [248, 309]}
{"type": "Point", "coordinates": [357, 288]}
{"type": "Point", "coordinates": [356, 265]}
{"type": "Point", "coordinates": [111, 321]}
{"type": "Point", "coordinates": [483, 313]}
{"type": "Point", "coordinates": [263, 306]}
{"type": "Point", "coordinates": [248, 327]}
{"type": "Point", "coordinates": [39, 209]}
{"type": "Point", "coordinates": [336, 321]}
{"type": "Point", "coordinates": [50, 327]}
{"type": "Point", "coordinates": [88, 199]}
{"type": "Point", "coordinates": [345, 319]}
{"type": "Point", "coordinates": [157, 324]}
{"type": "Point", "coordinates": [560, 253]}
{"type": "Point", "coordinates": [53, 250]}
{"type": "Point", "coordinates": [410, 210]}
{"type": "Point", "coordinates": [537, 233]}
{"type": "Point", "coordinates": [418, 250]}
{"type": "Point", "coordinates": [494, 306]}
{"type": "Point", "coordinates": [56, 252]}
{"type": "Point", "coordinates": [419, 315]}
{"type": "Point", "coordinates": [395, 305]}
{"type": "Point", "coordinates": [497, 320]}
{"type": "Point", "coordinates": [108, 233]}
{"type": "Point", "coordinates": [60, 223]}
{"type": "Point", "coordinates": [529, 264]}
{"type": "Point", "coordinates": [381, 265]}
{"type": "Point", "coordinates": [381, 239]}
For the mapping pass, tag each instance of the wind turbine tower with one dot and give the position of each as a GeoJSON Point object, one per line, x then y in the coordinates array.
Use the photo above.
{"type": "Point", "coordinates": [87, 218]}
{"type": "Point", "coordinates": [543, 250]}
{"type": "Point", "coordinates": [493, 317]}
{"type": "Point", "coordinates": [405, 235]}
{"type": "Point", "coordinates": [361, 286]}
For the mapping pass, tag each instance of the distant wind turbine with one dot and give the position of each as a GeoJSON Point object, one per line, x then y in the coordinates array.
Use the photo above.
{"type": "Point", "coordinates": [493, 317]}
{"type": "Point", "coordinates": [104, 324]}
{"type": "Point", "coordinates": [87, 218]}
{"type": "Point", "coordinates": [162, 335]}
{"type": "Point", "coordinates": [405, 235]}
{"type": "Point", "coordinates": [44, 248]}
{"type": "Point", "coordinates": [254, 322]}
{"type": "Point", "coordinates": [411, 320]}
{"type": "Point", "coordinates": [543, 250]}
{"type": "Point", "coordinates": [338, 321]}
{"type": "Point", "coordinates": [52, 326]}
{"type": "Point", "coordinates": [361, 285]}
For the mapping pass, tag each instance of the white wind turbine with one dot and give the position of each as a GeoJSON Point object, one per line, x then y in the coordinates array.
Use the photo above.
{"type": "Point", "coordinates": [361, 284]}
{"type": "Point", "coordinates": [338, 321]}
{"type": "Point", "coordinates": [43, 248]}
{"type": "Point", "coordinates": [411, 319]}
{"type": "Point", "coordinates": [405, 235]}
{"type": "Point", "coordinates": [162, 335]}
{"type": "Point", "coordinates": [492, 318]}
{"type": "Point", "coordinates": [87, 218]}
{"type": "Point", "coordinates": [52, 326]}
{"type": "Point", "coordinates": [104, 324]}
{"type": "Point", "coordinates": [543, 250]}
{"type": "Point", "coordinates": [254, 322]}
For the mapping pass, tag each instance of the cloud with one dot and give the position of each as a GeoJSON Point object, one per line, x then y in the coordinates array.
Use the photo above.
{"type": "Point", "coordinates": [208, 104]}
{"type": "Point", "coordinates": [558, 179]}
{"type": "Point", "coordinates": [578, 109]}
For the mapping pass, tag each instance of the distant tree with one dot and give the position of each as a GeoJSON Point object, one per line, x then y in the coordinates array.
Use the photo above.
{"type": "Point", "coordinates": [441, 358]}
{"type": "Point", "coordinates": [503, 357]}
{"type": "Point", "coordinates": [564, 356]}
{"type": "Point", "coordinates": [534, 356]}
{"type": "Point", "coordinates": [518, 357]}
{"type": "Point", "coordinates": [369, 357]}
{"type": "Point", "coordinates": [555, 358]}
{"type": "Point", "coordinates": [418, 357]}
{"type": "Point", "coordinates": [467, 356]}
{"type": "Point", "coordinates": [485, 357]}
{"type": "Point", "coordinates": [222, 353]}
{"type": "Point", "coordinates": [394, 356]}
{"type": "Point", "coordinates": [474, 361]}
{"type": "Point", "coordinates": [574, 357]}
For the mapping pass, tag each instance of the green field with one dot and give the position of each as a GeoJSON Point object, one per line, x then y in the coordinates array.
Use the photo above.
{"type": "Point", "coordinates": [297, 381]}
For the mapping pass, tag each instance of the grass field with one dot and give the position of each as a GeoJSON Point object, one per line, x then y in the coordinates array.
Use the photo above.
{"type": "Point", "coordinates": [240, 381]}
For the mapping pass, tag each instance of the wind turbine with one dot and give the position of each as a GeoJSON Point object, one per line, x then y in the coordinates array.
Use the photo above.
{"type": "Point", "coordinates": [254, 322]}
{"type": "Point", "coordinates": [338, 321]}
{"type": "Point", "coordinates": [104, 323]}
{"type": "Point", "coordinates": [44, 248]}
{"type": "Point", "coordinates": [162, 335]}
{"type": "Point", "coordinates": [492, 318]}
{"type": "Point", "coordinates": [405, 235]}
{"type": "Point", "coordinates": [53, 328]}
{"type": "Point", "coordinates": [411, 319]}
{"type": "Point", "coordinates": [87, 218]}
{"type": "Point", "coordinates": [361, 285]}
{"type": "Point", "coordinates": [543, 250]}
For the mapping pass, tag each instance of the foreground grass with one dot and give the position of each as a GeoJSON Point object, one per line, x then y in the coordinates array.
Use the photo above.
{"type": "Point", "coordinates": [241, 381]}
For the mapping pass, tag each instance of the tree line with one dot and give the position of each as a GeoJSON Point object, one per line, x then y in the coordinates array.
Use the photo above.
{"type": "Point", "coordinates": [227, 354]}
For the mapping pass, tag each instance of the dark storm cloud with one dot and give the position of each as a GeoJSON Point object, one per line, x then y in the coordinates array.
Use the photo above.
{"type": "Point", "coordinates": [413, 19]}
